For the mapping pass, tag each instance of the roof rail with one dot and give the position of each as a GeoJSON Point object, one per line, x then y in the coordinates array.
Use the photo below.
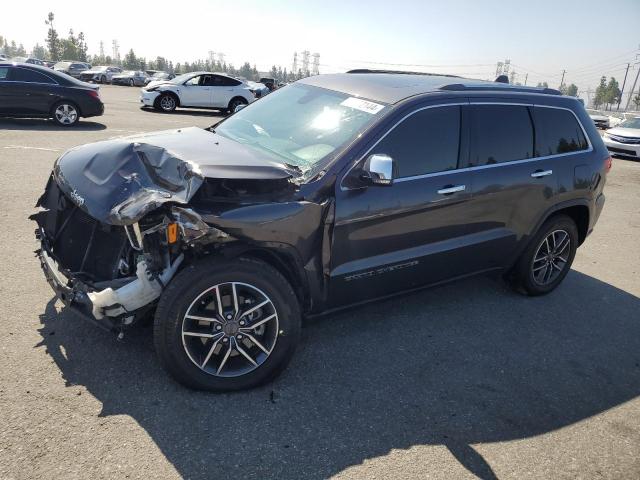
{"type": "Point", "coordinates": [499, 86]}
{"type": "Point", "coordinates": [402, 72]}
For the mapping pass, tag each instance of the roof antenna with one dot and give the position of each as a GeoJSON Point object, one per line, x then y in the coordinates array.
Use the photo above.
{"type": "Point", "coordinates": [502, 79]}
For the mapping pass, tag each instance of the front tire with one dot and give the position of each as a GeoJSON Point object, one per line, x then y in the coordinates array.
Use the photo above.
{"type": "Point", "coordinates": [103, 79]}
{"type": "Point", "coordinates": [226, 325]}
{"type": "Point", "coordinates": [548, 257]}
{"type": "Point", "coordinates": [65, 113]}
{"type": "Point", "coordinates": [166, 103]}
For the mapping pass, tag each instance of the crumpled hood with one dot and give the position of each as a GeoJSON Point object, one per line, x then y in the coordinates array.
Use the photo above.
{"type": "Point", "coordinates": [119, 181]}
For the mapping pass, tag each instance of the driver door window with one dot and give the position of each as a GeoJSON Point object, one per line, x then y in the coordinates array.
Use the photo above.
{"type": "Point", "coordinates": [196, 93]}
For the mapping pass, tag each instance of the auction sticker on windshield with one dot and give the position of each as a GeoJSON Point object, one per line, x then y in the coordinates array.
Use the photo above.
{"type": "Point", "coordinates": [362, 105]}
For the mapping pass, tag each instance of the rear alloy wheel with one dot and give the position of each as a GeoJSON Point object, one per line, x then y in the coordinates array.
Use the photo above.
{"type": "Point", "coordinates": [226, 325]}
{"type": "Point", "coordinates": [131, 82]}
{"type": "Point", "coordinates": [549, 256]}
{"type": "Point", "coordinates": [65, 114]}
{"type": "Point", "coordinates": [167, 102]}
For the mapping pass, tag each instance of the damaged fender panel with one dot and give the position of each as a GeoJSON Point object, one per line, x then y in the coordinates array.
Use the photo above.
{"type": "Point", "coordinates": [298, 224]}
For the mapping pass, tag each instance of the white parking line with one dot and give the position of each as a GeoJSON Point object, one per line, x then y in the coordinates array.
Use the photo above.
{"type": "Point", "coordinates": [21, 147]}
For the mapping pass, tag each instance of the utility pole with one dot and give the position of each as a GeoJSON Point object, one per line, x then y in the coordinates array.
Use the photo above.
{"type": "Point", "coordinates": [562, 81]}
{"type": "Point", "coordinates": [623, 84]}
{"type": "Point", "coordinates": [632, 88]}
{"type": "Point", "coordinates": [525, 79]}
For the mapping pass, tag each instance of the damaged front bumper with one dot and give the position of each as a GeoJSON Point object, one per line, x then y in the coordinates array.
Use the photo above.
{"type": "Point", "coordinates": [114, 306]}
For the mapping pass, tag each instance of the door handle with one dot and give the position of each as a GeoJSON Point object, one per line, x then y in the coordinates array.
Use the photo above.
{"type": "Point", "coordinates": [452, 189]}
{"type": "Point", "coordinates": [541, 173]}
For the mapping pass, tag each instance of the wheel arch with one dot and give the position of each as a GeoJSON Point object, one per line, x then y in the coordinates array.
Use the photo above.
{"type": "Point", "coordinates": [577, 210]}
{"type": "Point", "coordinates": [169, 92]}
{"type": "Point", "coordinates": [68, 100]}
{"type": "Point", "coordinates": [237, 97]}
{"type": "Point", "coordinates": [284, 261]}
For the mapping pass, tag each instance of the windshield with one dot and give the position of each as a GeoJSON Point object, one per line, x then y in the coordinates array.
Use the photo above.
{"type": "Point", "coordinates": [99, 69]}
{"type": "Point", "coordinates": [62, 65]}
{"type": "Point", "coordinates": [631, 123]}
{"type": "Point", "coordinates": [183, 78]}
{"type": "Point", "coordinates": [302, 125]}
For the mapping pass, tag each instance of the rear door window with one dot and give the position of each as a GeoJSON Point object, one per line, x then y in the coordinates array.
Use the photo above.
{"type": "Point", "coordinates": [500, 133]}
{"type": "Point", "coordinates": [30, 76]}
{"type": "Point", "coordinates": [426, 142]}
{"type": "Point", "coordinates": [4, 71]}
{"type": "Point", "coordinates": [557, 131]}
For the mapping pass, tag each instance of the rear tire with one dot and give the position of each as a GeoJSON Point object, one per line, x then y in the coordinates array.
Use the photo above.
{"type": "Point", "coordinates": [65, 113]}
{"type": "Point", "coordinates": [103, 79]}
{"type": "Point", "coordinates": [235, 347]}
{"type": "Point", "coordinates": [234, 103]}
{"type": "Point", "coordinates": [548, 257]}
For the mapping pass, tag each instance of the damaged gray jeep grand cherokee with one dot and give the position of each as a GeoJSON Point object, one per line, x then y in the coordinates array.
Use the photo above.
{"type": "Point", "coordinates": [333, 191]}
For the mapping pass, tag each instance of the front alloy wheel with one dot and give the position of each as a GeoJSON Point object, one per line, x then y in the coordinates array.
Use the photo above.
{"type": "Point", "coordinates": [230, 329]}
{"type": "Point", "coordinates": [225, 325]}
{"type": "Point", "coordinates": [167, 103]}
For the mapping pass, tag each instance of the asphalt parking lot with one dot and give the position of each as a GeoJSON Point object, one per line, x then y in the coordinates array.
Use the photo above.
{"type": "Point", "coordinates": [465, 380]}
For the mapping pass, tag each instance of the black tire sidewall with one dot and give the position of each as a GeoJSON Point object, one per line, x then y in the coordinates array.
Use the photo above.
{"type": "Point", "coordinates": [190, 283]}
{"type": "Point", "coordinates": [525, 272]}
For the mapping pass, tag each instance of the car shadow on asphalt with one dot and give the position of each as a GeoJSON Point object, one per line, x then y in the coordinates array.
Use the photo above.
{"type": "Point", "coordinates": [463, 364]}
{"type": "Point", "coordinates": [47, 125]}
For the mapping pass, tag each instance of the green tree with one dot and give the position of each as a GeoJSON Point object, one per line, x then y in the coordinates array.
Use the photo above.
{"type": "Point", "coordinates": [245, 71]}
{"type": "Point", "coordinates": [613, 92]}
{"type": "Point", "coordinates": [52, 41]}
{"type": "Point", "coordinates": [38, 51]}
{"type": "Point", "coordinates": [69, 47]}
{"type": "Point", "coordinates": [542, 85]}
{"type": "Point", "coordinates": [572, 90]}
{"type": "Point", "coordinates": [82, 47]}
{"type": "Point", "coordinates": [130, 61]}
{"type": "Point", "coordinates": [636, 101]}
{"type": "Point", "coordinates": [601, 92]}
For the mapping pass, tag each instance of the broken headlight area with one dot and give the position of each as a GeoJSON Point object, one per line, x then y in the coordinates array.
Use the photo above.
{"type": "Point", "coordinates": [114, 273]}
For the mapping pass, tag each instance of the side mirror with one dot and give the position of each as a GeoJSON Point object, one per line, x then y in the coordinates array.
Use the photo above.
{"type": "Point", "coordinates": [378, 169]}
{"type": "Point", "coordinates": [238, 108]}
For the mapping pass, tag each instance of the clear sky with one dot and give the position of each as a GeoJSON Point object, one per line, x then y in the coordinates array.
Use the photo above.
{"type": "Point", "coordinates": [588, 38]}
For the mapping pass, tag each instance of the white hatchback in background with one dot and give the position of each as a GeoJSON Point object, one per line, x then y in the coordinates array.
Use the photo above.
{"type": "Point", "coordinates": [624, 139]}
{"type": "Point", "coordinates": [197, 89]}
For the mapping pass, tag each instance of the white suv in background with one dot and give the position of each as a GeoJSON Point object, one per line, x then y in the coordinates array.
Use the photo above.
{"type": "Point", "coordinates": [197, 89]}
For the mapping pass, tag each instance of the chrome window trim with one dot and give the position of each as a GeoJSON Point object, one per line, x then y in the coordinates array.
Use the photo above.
{"type": "Point", "coordinates": [34, 83]}
{"type": "Point", "coordinates": [477, 167]}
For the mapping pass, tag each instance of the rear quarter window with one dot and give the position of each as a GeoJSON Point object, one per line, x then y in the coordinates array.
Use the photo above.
{"type": "Point", "coordinates": [557, 131]}
{"type": "Point", "coordinates": [4, 71]}
{"type": "Point", "coordinates": [500, 133]}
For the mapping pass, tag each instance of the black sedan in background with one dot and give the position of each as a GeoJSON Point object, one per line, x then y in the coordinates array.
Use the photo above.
{"type": "Point", "coordinates": [32, 91]}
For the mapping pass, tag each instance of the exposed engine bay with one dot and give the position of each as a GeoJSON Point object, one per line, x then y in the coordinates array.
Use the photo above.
{"type": "Point", "coordinates": [118, 219]}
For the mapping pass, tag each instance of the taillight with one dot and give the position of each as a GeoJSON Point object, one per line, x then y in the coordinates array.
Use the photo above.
{"type": "Point", "coordinates": [608, 163]}
{"type": "Point", "coordinates": [94, 94]}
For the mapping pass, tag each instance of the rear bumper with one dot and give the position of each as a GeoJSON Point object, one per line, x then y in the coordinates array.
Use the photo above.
{"type": "Point", "coordinates": [93, 109]}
